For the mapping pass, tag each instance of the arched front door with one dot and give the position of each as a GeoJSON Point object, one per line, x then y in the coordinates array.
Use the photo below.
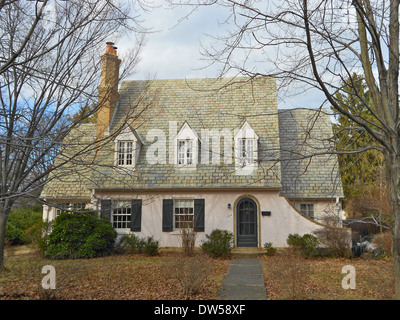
{"type": "Point", "coordinates": [246, 223]}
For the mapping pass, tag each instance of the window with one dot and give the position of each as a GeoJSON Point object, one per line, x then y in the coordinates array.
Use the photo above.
{"type": "Point", "coordinates": [125, 153]}
{"type": "Point", "coordinates": [307, 209]}
{"type": "Point", "coordinates": [184, 214]}
{"type": "Point", "coordinates": [246, 149]}
{"type": "Point", "coordinates": [186, 148]}
{"type": "Point", "coordinates": [79, 206]}
{"type": "Point", "coordinates": [185, 152]}
{"type": "Point", "coordinates": [62, 207]}
{"type": "Point", "coordinates": [127, 147]}
{"type": "Point", "coordinates": [121, 214]}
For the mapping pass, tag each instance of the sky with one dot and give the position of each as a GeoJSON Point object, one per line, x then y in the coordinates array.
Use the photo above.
{"type": "Point", "coordinates": [173, 50]}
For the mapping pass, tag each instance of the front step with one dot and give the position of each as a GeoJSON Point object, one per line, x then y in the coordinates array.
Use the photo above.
{"type": "Point", "coordinates": [247, 252]}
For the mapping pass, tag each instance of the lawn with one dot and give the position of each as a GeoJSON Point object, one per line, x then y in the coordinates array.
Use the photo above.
{"type": "Point", "coordinates": [141, 277]}
{"type": "Point", "coordinates": [116, 277]}
{"type": "Point", "coordinates": [293, 277]}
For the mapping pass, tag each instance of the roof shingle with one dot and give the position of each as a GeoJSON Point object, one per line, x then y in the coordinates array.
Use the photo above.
{"type": "Point", "coordinates": [204, 104]}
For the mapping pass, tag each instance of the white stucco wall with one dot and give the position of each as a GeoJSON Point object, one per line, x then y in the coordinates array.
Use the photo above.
{"type": "Point", "coordinates": [284, 219]}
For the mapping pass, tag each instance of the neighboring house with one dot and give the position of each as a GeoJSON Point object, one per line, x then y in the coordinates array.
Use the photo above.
{"type": "Point", "coordinates": [199, 153]}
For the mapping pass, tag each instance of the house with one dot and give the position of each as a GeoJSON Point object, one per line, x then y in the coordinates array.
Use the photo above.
{"type": "Point", "coordinates": [198, 153]}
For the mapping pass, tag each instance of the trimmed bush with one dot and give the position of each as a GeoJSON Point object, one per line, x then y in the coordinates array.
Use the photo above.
{"type": "Point", "coordinates": [219, 243]}
{"type": "Point", "coordinates": [135, 244]}
{"type": "Point", "coordinates": [270, 250]}
{"type": "Point", "coordinates": [80, 235]}
{"type": "Point", "coordinates": [131, 243]}
{"type": "Point", "coordinates": [24, 226]}
{"type": "Point", "coordinates": [306, 245]}
{"type": "Point", "coordinates": [151, 246]}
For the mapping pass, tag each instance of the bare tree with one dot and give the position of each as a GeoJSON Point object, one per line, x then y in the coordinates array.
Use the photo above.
{"type": "Point", "coordinates": [320, 44]}
{"type": "Point", "coordinates": [49, 54]}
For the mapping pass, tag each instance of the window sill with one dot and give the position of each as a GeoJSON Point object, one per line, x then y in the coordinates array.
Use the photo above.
{"type": "Point", "coordinates": [123, 231]}
{"type": "Point", "coordinates": [178, 232]}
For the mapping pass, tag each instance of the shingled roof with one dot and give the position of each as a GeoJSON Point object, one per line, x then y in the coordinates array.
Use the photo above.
{"type": "Point", "coordinates": [309, 166]}
{"type": "Point", "coordinates": [207, 104]}
{"type": "Point", "coordinates": [73, 165]}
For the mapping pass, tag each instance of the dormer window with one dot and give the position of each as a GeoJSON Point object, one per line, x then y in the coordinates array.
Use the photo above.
{"type": "Point", "coordinates": [246, 153]}
{"type": "Point", "coordinates": [127, 147]}
{"type": "Point", "coordinates": [125, 153]}
{"type": "Point", "coordinates": [246, 149]}
{"type": "Point", "coordinates": [185, 151]}
{"type": "Point", "coordinates": [186, 147]}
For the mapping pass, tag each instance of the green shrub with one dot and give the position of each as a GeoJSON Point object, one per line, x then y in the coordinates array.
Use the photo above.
{"type": "Point", "coordinates": [305, 245]}
{"type": "Point", "coordinates": [131, 243]}
{"type": "Point", "coordinates": [134, 244]}
{"type": "Point", "coordinates": [219, 243]}
{"type": "Point", "coordinates": [151, 246]}
{"type": "Point", "coordinates": [80, 235]}
{"type": "Point", "coordinates": [24, 226]}
{"type": "Point", "coordinates": [270, 250]}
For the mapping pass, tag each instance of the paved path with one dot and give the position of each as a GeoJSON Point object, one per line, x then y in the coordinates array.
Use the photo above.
{"type": "Point", "coordinates": [244, 281]}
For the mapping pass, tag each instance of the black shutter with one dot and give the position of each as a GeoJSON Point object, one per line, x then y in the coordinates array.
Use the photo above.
{"type": "Point", "coordinates": [168, 215]}
{"type": "Point", "coordinates": [106, 208]}
{"type": "Point", "coordinates": [136, 215]}
{"type": "Point", "coordinates": [199, 215]}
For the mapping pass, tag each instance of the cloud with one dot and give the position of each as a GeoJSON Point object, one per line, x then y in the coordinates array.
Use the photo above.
{"type": "Point", "coordinates": [172, 49]}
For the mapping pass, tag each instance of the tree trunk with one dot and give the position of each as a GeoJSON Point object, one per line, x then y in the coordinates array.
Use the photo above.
{"type": "Point", "coordinates": [393, 178]}
{"type": "Point", "coordinates": [4, 212]}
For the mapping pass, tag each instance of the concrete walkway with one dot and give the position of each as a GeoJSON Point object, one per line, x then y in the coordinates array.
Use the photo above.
{"type": "Point", "coordinates": [244, 281]}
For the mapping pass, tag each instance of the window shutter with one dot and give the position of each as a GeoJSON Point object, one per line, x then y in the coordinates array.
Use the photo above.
{"type": "Point", "coordinates": [136, 215]}
{"type": "Point", "coordinates": [168, 215]}
{"type": "Point", "coordinates": [106, 208]}
{"type": "Point", "coordinates": [199, 215]}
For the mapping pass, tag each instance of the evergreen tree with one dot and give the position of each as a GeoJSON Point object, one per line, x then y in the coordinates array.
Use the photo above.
{"type": "Point", "coordinates": [362, 172]}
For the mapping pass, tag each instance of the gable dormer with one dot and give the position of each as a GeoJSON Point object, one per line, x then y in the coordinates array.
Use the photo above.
{"type": "Point", "coordinates": [127, 146]}
{"type": "Point", "coordinates": [186, 144]}
{"type": "Point", "coordinates": [246, 148]}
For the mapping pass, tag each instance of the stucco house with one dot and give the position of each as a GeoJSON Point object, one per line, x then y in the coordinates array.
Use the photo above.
{"type": "Point", "coordinates": [198, 153]}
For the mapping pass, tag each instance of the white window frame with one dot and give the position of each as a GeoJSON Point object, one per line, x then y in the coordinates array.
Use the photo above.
{"type": "Point", "coordinates": [121, 214]}
{"type": "Point", "coordinates": [246, 149]}
{"type": "Point", "coordinates": [186, 135]}
{"type": "Point", "coordinates": [183, 208]}
{"type": "Point", "coordinates": [63, 206]}
{"type": "Point", "coordinates": [125, 153]}
{"type": "Point", "coordinates": [185, 152]}
{"type": "Point", "coordinates": [307, 209]}
{"type": "Point", "coordinates": [128, 157]}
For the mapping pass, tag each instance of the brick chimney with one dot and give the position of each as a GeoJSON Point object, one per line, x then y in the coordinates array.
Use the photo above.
{"type": "Point", "coordinates": [108, 89]}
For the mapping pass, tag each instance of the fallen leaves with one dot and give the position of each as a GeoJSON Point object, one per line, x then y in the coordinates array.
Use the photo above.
{"type": "Point", "coordinates": [322, 279]}
{"type": "Point", "coordinates": [140, 277]}
{"type": "Point", "coordinates": [117, 277]}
